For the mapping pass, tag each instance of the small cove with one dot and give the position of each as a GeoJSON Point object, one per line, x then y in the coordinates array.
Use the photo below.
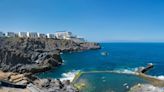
{"type": "Point", "coordinates": [123, 57]}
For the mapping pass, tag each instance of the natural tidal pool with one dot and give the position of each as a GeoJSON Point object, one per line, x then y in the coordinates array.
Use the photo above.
{"type": "Point", "coordinates": [108, 82]}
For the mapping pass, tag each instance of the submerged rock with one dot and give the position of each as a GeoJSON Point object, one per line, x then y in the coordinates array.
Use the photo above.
{"type": "Point", "coordinates": [146, 88]}
{"type": "Point", "coordinates": [105, 53]}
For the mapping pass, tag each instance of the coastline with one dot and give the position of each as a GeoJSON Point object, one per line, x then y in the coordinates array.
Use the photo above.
{"type": "Point", "coordinates": [153, 84]}
{"type": "Point", "coordinates": [50, 58]}
{"type": "Point", "coordinates": [33, 55]}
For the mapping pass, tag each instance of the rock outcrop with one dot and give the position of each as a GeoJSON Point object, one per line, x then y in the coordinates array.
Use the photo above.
{"type": "Point", "coordinates": [33, 55]}
{"type": "Point", "coordinates": [24, 62]}
{"type": "Point", "coordinates": [54, 85]}
{"type": "Point", "coordinates": [145, 88]}
{"type": "Point", "coordinates": [15, 82]}
{"type": "Point", "coordinates": [23, 57]}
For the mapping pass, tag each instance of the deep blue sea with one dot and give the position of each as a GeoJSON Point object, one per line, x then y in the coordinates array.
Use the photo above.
{"type": "Point", "coordinates": [123, 57]}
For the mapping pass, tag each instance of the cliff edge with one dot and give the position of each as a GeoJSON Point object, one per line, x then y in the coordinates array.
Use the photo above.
{"type": "Point", "coordinates": [33, 55]}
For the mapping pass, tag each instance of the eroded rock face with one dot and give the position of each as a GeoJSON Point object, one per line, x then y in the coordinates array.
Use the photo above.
{"type": "Point", "coordinates": [28, 56]}
{"type": "Point", "coordinates": [54, 85]}
{"type": "Point", "coordinates": [32, 55]}
{"type": "Point", "coordinates": [12, 60]}
{"type": "Point", "coordinates": [18, 61]}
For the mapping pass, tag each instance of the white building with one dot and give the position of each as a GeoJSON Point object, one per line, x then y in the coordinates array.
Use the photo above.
{"type": "Point", "coordinates": [40, 35]}
{"type": "Point", "coordinates": [51, 35]}
{"type": "Point", "coordinates": [10, 34]}
{"type": "Point", "coordinates": [2, 34]}
{"type": "Point", "coordinates": [81, 39]}
{"type": "Point", "coordinates": [68, 36]}
{"type": "Point", "coordinates": [32, 34]}
{"type": "Point", "coordinates": [63, 35]}
{"type": "Point", "coordinates": [22, 34]}
{"type": "Point", "coordinates": [77, 40]}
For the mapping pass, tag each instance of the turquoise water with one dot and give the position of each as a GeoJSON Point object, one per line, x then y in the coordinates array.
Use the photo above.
{"type": "Point", "coordinates": [109, 82]}
{"type": "Point", "coordinates": [122, 56]}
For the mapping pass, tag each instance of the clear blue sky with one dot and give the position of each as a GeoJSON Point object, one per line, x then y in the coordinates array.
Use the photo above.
{"type": "Point", "coordinates": [96, 20]}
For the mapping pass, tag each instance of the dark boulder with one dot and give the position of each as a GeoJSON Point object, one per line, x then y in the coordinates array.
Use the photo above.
{"type": "Point", "coordinates": [54, 85]}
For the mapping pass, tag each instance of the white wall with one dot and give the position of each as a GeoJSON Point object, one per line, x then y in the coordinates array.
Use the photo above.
{"type": "Point", "coordinates": [50, 35]}
{"type": "Point", "coordinates": [63, 35]}
{"type": "Point", "coordinates": [10, 34]}
{"type": "Point", "coordinates": [32, 34]}
{"type": "Point", "coordinates": [22, 34]}
{"type": "Point", "coordinates": [41, 35]}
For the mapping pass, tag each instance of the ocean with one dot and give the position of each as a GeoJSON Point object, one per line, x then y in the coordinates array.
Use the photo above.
{"type": "Point", "coordinates": [123, 58]}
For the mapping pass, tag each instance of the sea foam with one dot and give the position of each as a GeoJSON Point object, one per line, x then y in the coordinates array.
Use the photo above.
{"type": "Point", "coordinates": [69, 75]}
{"type": "Point", "coordinates": [126, 71]}
{"type": "Point", "coordinates": [161, 77]}
{"type": "Point", "coordinates": [134, 71]}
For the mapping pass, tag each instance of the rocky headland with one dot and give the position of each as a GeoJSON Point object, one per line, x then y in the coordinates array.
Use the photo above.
{"type": "Point", "coordinates": [33, 55]}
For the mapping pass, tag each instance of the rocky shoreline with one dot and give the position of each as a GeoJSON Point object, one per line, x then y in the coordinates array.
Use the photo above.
{"type": "Point", "coordinates": [15, 82]}
{"type": "Point", "coordinates": [33, 55]}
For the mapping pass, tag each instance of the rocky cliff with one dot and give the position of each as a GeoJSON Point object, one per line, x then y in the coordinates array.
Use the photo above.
{"type": "Point", "coordinates": [32, 55]}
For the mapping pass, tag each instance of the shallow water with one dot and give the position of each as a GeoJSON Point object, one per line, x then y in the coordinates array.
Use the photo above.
{"type": "Point", "coordinates": [123, 57]}
{"type": "Point", "coordinates": [108, 82]}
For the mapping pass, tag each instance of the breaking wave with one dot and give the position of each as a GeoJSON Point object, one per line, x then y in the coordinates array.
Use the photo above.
{"type": "Point", "coordinates": [161, 77]}
{"type": "Point", "coordinates": [134, 71]}
{"type": "Point", "coordinates": [69, 75]}
{"type": "Point", "coordinates": [126, 71]}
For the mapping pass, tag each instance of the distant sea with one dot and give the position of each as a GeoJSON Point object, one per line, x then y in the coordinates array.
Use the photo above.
{"type": "Point", "coordinates": [123, 57]}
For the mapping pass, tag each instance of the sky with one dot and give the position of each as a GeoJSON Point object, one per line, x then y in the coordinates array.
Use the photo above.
{"type": "Point", "coordinates": [96, 20]}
